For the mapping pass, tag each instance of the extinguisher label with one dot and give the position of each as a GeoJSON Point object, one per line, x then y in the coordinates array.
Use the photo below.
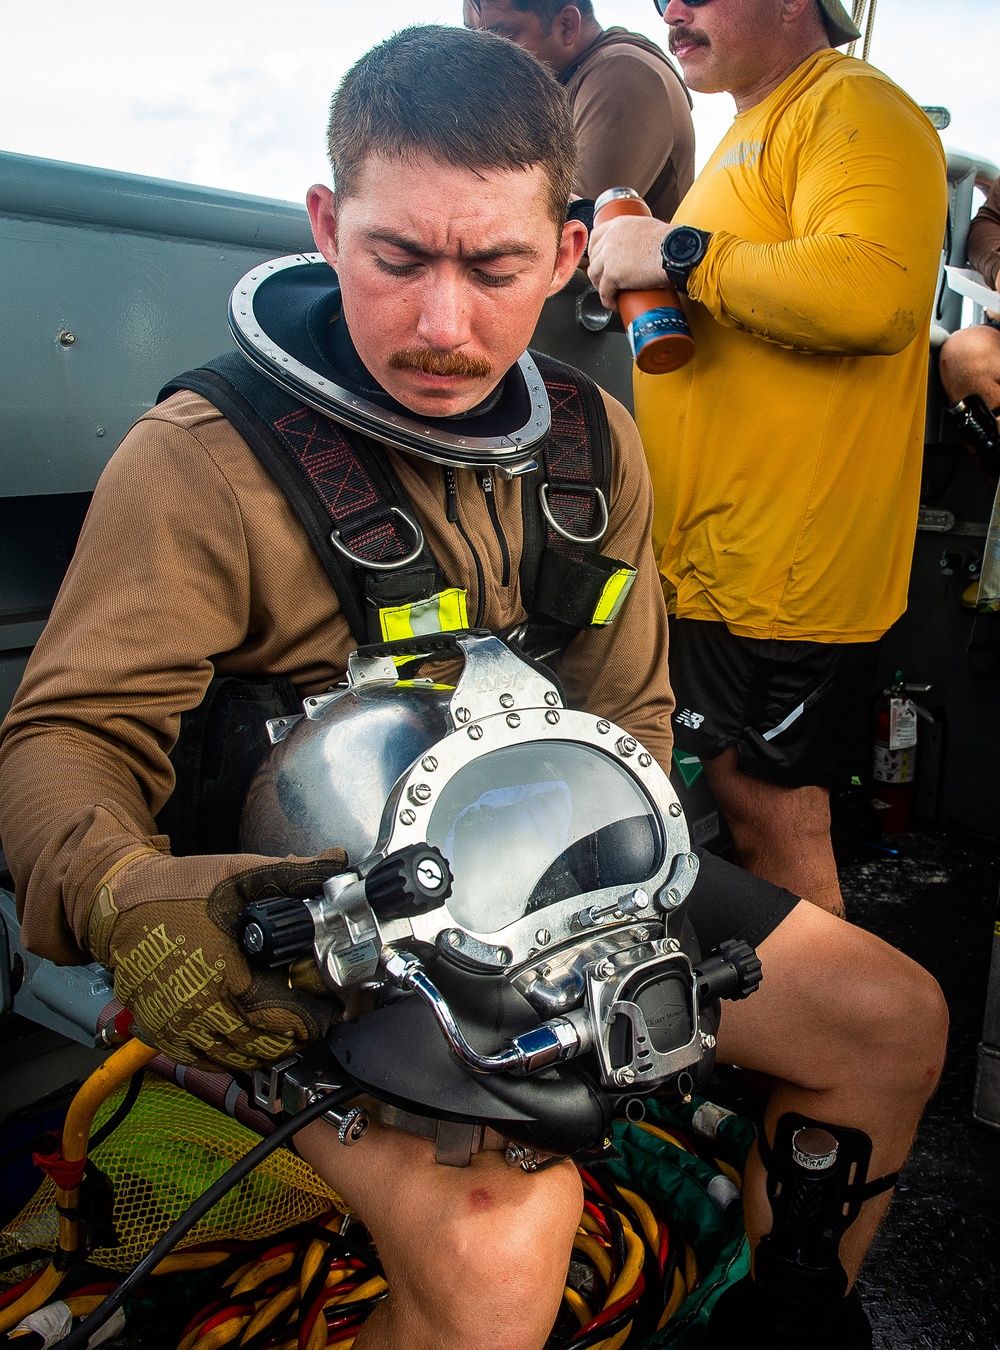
{"type": "Point", "coordinates": [893, 766]}
{"type": "Point", "coordinates": [902, 724]}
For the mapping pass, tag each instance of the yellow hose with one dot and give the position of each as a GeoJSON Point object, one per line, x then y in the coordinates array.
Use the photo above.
{"type": "Point", "coordinates": [272, 1309]}
{"type": "Point", "coordinates": [75, 1136]}
{"type": "Point", "coordinates": [30, 1301]}
{"type": "Point", "coordinates": [578, 1306]}
{"type": "Point", "coordinates": [635, 1253]}
{"type": "Point", "coordinates": [583, 1242]}
{"type": "Point", "coordinates": [650, 1224]}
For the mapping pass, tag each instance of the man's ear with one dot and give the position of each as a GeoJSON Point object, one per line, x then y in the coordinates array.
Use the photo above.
{"type": "Point", "coordinates": [321, 205]}
{"type": "Point", "coordinates": [572, 246]}
{"type": "Point", "coordinates": [568, 23]}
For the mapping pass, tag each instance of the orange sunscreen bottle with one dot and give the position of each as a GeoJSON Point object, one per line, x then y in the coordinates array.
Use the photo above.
{"type": "Point", "coordinates": [655, 324]}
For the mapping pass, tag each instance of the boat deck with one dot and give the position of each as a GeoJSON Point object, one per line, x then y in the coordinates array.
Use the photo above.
{"type": "Point", "coordinates": [932, 1279]}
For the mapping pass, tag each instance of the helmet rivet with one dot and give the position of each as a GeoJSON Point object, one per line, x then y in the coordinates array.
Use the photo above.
{"type": "Point", "coordinates": [506, 700]}
{"type": "Point", "coordinates": [407, 817]}
{"type": "Point", "coordinates": [674, 808]}
{"type": "Point", "coordinates": [476, 732]}
{"type": "Point", "coordinates": [428, 763]}
{"type": "Point", "coordinates": [543, 936]}
{"type": "Point", "coordinates": [513, 719]}
{"type": "Point", "coordinates": [552, 717]}
{"type": "Point", "coordinates": [552, 698]}
{"type": "Point", "coordinates": [603, 727]}
{"type": "Point", "coordinates": [419, 793]}
{"type": "Point", "coordinates": [462, 714]}
{"type": "Point", "coordinates": [625, 745]}
{"type": "Point", "coordinates": [645, 760]}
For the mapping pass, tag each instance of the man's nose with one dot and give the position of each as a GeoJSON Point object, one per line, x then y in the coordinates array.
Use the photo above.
{"type": "Point", "coordinates": [444, 319]}
{"type": "Point", "coordinates": [676, 12]}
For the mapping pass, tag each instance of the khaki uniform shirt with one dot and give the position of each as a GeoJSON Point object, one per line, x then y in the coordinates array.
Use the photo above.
{"type": "Point", "coordinates": [632, 115]}
{"type": "Point", "coordinates": [984, 237]}
{"type": "Point", "coordinates": [191, 563]}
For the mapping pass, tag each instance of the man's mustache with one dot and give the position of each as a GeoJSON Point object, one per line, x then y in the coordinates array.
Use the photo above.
{"type": "Point", "coordinates": [686, 37]}
{"type": "Point", "coordinates": [430, 362]}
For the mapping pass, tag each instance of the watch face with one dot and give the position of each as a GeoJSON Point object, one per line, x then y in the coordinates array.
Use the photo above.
{"type": "Point", "coordinates": [683, 245]}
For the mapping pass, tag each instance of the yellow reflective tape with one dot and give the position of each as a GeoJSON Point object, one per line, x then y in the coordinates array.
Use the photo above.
{"type": "Point", "coordinates": [613, 594]}
{"type": "Point", "coordinates": [452, 610]}
{"type": "Point", "coordinates": [445, 612]}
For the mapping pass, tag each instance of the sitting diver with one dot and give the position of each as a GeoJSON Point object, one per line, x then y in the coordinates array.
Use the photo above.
{"type": "Point", "coordinates": [198, 570]}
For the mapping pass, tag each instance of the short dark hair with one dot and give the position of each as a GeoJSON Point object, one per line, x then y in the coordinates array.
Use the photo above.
{"type": "Point", "coordinates": [547, 10]}
{"type": "Point", "coordinates": [462, 97]}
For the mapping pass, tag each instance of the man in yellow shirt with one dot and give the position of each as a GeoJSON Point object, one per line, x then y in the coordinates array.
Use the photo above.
{"type": "Point", "coordinates": [786, 456]}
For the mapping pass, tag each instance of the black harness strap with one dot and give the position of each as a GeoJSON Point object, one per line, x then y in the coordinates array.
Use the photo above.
{"type": "Point", "coordinates": [330, 478]}
{"type": "Point", "coordinates": [575, 463]}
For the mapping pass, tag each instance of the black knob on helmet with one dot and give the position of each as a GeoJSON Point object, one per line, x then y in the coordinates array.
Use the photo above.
{"type": "Point", "coordinates": [733, 972]}
{"type": "Point", "coordinates": [276, 931]}
{"type": "Point", "coordinates": [412, 881]}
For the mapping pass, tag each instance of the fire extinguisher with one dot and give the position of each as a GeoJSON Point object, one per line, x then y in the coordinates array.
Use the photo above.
{"type": "Point", "coordinates": [894, 760]}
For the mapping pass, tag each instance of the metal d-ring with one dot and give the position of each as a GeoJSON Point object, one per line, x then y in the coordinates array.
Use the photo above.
{"type": "Point", "coordinates": [543, 497]}
{"type": "Point", "coordinates": [411, 557]}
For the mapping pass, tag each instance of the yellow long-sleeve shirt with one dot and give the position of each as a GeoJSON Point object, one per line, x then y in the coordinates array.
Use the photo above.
{"type": "Point", "coordinates": [786, 456]}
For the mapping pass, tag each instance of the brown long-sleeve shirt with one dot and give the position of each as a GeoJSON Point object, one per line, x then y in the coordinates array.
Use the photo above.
{"type": "Point", "coordinates": [632, 115]}
{"type": "Point", "coordinates": [191, 563]}
{"type": "Point", "coordinates": [984, 237]}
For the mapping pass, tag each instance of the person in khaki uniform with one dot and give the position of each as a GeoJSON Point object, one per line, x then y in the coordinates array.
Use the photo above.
{"type": "Point", "coordinates": [453, 161]}
{"type": "Point", "coordinates": [631, 110]}
{"type": "Point", "coordinates": [970, 357]}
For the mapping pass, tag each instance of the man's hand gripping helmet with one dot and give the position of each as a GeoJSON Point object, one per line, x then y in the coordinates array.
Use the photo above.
{"type": "Point", "coordinates": [511, 947]}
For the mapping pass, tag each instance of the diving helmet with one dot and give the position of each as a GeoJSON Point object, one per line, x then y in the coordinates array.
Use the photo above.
{"type": "Point", "coordinates": [282, 314]}
{"type": "Point", "coordinates": [509, 942]}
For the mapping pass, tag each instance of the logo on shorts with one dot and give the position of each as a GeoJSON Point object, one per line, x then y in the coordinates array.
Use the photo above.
{"type": "Point", "coordinates": [687, 718]}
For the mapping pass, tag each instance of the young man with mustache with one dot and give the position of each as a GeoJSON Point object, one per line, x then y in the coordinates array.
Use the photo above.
{"type": "Point", "coordinates": [786, 456]}
{"type": "Point", "coordinates": [453, 161]}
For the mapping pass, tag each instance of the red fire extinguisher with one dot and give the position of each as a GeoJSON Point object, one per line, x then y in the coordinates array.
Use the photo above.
{"type": "Point", "coordinates": [894, 761]}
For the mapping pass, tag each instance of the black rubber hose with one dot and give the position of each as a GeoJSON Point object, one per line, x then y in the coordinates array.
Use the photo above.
{"type": "Point", "coordinates": [121, 1111]}
{"type": "Point", "coordinates": [79, 1337]}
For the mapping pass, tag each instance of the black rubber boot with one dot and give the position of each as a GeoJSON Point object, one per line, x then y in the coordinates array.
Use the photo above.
{"type": "Point", "coordinates": [743, 1317]}
{"type": "Point", "coordinates": [977, 426]}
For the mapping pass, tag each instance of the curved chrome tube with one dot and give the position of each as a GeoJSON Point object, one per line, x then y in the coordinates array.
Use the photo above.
{"type": "Point", "coordinates": [535, 1049]}
{"type": "Point", "coordinates": [408, 973]}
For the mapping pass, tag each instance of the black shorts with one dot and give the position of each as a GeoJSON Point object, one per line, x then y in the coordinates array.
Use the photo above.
{"type": "Point", "coordinates": [727, 902]}
{"type": "Point", "coordinates": [796, 711]}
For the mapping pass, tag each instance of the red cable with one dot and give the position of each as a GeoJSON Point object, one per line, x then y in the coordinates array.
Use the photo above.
{"type": "Point", "coordinates": [12, 1295]}
{"type": "Point", "coordinates": [612, 1311]}
{"type": "Point", "coordinates": [598, 1218]}
{"type": "Point", "coordinates": [664, 1249]}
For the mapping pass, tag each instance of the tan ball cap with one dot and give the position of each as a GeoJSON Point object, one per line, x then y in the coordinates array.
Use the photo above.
{"type": "Point", "coordinates": [839, 24]}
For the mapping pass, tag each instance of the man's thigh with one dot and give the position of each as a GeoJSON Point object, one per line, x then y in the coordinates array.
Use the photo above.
{"type": "Point", "coordinates": [795, 711]}
{"type": "Point", "coordinates": [390, 1177]}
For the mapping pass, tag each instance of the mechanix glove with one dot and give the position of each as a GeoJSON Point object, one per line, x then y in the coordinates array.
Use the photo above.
{"type": "Point", "coordinates": [167, 926]}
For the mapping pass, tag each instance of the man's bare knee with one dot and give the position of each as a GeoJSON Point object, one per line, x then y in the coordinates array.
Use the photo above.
{"type": "Point", "coordinates": [494, 1267]}
{"type": "Point", "coordinates": [969, 358]}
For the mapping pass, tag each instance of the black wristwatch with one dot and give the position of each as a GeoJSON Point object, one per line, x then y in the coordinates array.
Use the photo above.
{"type": "Point", "coordinates": [681, 252]}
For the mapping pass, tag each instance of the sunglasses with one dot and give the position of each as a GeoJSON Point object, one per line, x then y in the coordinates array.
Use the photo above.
{"type": "Point", "coordinates": [661, 5]}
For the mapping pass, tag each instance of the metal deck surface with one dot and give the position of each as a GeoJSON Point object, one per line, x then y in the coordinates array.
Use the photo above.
{"type": "Point", "coordinates": [932, 1279]}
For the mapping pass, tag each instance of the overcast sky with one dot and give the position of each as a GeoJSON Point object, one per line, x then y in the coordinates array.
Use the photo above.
{"type": "Point", "coordinates": [233, 93]}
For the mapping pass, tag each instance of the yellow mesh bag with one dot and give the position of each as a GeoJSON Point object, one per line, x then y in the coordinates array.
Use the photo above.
{"type": "Point", "coordinates": [168, 1150]}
